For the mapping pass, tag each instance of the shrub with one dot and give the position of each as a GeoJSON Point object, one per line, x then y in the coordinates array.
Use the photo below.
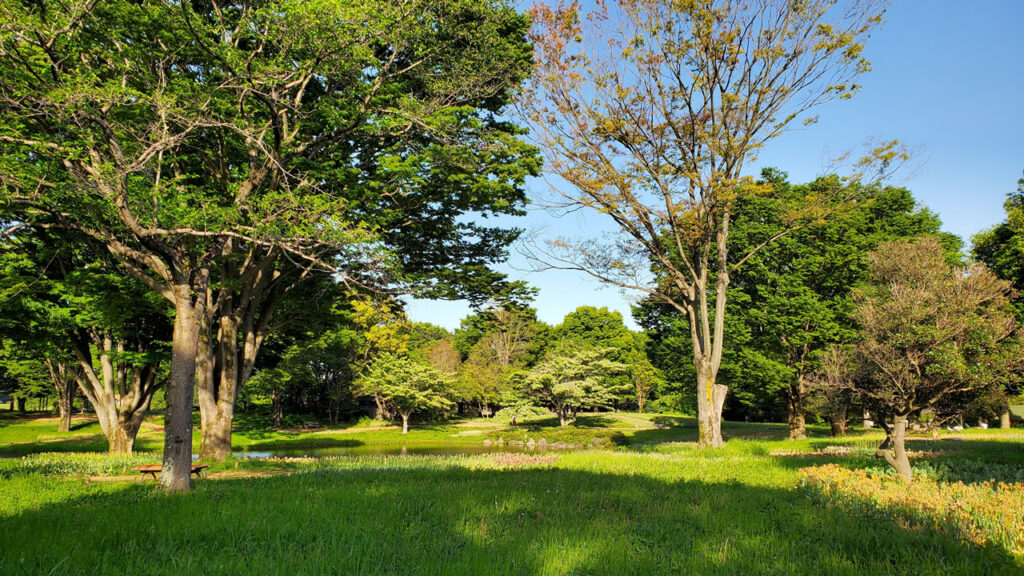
{"type": "Point", "coordinates": [982, 513]}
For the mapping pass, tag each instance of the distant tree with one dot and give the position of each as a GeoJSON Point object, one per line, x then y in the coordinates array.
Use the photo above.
{"type": "Point", "coordinates": [1002, 249]}
{"type": "Point", "coordinates": [792, 300]}
{"type": "Point", "coordinates": [407, 387]}
{"type": "Point", "coordinates": [575, 380]}
{"type": "Point", "coordinates": [828, 392]}
{"type": "Point", "coordinates": [88, 327]}
{"type": "Point", "coordinates": [650, 109]}
{"type": "Point", "coordinates": [644, 377]}
{"type": "Point", "coordinates": [441, 354]}
{"type": "Point", "coordinates": [931, 336]}
{"type": "Point", "coordinates": [501, 340]}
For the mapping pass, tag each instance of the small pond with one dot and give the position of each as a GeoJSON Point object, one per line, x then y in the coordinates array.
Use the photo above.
{"type": "Point", "coordinates": [391, 450]}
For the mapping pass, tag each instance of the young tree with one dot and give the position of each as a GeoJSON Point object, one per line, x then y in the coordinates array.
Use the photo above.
{"type": "Point", "coordinates": [574, 380]}
{"type": "Point", "coordinates": [649, 109]}
{"type": "Point", "coordinates": [931, 335]}
{"type": "Point", "coordinates": [828, 393]}
{"type": "Point", "coordinates": [642, 373]}
{"type": "Point", "coordinates": [407, 386]}
{"type": "Point", "coordinates": [208, 150]}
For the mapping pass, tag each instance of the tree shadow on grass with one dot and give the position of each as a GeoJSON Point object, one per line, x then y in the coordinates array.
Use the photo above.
{"type": "Point", "coordinates": [376, 518]}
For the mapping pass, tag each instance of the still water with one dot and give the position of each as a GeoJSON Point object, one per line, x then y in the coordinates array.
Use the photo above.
{"type": "Point", "coordinates": [390, 450]}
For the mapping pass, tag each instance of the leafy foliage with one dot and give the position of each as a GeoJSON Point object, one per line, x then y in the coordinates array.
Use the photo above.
{"type": "Point", "coordinates": [575, 380]}
{"type": "Point", "coordinates": [408, 386]}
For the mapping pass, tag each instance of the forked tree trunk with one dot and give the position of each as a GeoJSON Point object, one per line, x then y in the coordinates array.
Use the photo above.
{"type": "Point", "coordinates": [215, 443]}
{"type": "Point", "coordinates": [1004, 420]}
{"type": "Point", "coordinates": [710, 399]}
{"type": "Point", "coordinates": [63, 376]}
{"type": "Point", "coordinates": [894, 449]}
{"type": "Point", "coordinates": [563, 416]}
{"type": "Point", "coordinates": [177, 461]}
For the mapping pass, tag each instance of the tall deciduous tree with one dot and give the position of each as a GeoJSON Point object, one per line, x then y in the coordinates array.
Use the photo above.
{"type": "Point", "coordinates": [209, 149]}
{"type": "Point", "coordinates": [931, 335]}
{"type": "Point", "coordinates": [649, 109]}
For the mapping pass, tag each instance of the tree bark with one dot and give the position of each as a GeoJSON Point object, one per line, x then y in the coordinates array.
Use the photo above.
{"type": "Point", "coordinates": [64, 379]}
{"type": "Point", "coordinates": [22, 405]}
{"type": "Point", "coordinates": [838, 422]}
{"type": "Point", "coordinates": [796, 410]}
{"type": "Point", "coordinates": [838, 427]}
{"type": "Point", "coordinates": [797, 423]}
{"type": "Point", "coordinates": [64, 407]}
{"type": "Point", "coordinates": [710, 399]}
{"type": "Point", "coordinates": [177, 461]}
{"type": "Point", "coordinates": [276, 411]}
{"type": "Point", "coordinates": [405, 423]}
{"type": "Point", "coordinates": [1004, 420]}
{"type": "Point", "coordinates": [894, 449]}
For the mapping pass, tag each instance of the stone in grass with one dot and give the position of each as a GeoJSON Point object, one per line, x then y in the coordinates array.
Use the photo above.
{"type": "Point", "coordinates": [542, 442]}
{"type": "Point", "coordinates": [487, 442]}
{"type": "Point", "coordinates": [531, 443]}
{"type": "Point", "coordinates": [597, 442]}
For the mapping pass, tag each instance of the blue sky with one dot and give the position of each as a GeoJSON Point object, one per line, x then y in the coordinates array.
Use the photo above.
{"type": "Point", "coordinates": [947, 77]}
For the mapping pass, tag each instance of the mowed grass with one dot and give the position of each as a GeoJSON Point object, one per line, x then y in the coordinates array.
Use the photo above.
{"type": "Point", "coordinates": [657, 506]}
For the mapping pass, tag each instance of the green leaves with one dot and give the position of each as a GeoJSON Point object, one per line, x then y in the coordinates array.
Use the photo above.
{"type": "Point", "coordinates": [408, 386]}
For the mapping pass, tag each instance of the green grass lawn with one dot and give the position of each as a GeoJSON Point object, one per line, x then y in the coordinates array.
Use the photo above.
{"type": "Point", "coordinates": [655, 506]}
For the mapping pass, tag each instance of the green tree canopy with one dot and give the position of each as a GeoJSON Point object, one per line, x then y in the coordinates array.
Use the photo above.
{"type": "Point", "coordinates": [408, 386]}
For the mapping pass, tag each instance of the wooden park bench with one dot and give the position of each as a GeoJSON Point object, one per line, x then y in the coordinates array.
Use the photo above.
{"type": "Point", "coordinates": [154, 469]}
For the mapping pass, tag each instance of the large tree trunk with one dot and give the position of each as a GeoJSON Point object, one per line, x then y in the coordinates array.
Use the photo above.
{"type": "Point", "coordinates": [797, 423]}
{"type": "Point", "coordinates": [177, 462]}
{"type": "Point", "coordinates": [22, 405]}
{"type": "Point", "coordinates": [405, 423]}
{"type": "Point", "coordinates": [894, 448]}
{"type": "Point", "coordinates": [837, 428]}
{"type": "Point", "coordinates": [1004, 420]}
{"type": "Point", "coordinates": [64, 408]}
{"type": "Point", "coordinates": [710, 399]}
{"type": "Point", "coordinates": [795, 409]}
{"type": "Point", "coordinates": [838, 422]}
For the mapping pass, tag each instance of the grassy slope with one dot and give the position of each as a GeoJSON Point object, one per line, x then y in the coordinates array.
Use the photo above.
{"type": "Point", "coordinates": [656, 508]}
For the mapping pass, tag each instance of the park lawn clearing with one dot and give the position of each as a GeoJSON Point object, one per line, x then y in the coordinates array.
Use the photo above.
{"type": "Point", "coordinates": [659, 508]}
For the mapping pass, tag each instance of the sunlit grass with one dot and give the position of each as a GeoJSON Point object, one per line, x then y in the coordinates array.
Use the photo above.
{"type": "Point", "coordinates": [656, 505]}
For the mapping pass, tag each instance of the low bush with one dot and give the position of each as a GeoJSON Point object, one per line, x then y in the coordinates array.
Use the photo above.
{"type": "Point", "coordinates": [982, 513]}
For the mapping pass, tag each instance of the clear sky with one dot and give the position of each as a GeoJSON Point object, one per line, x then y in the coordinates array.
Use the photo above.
{"type": "Point", "coordinates": [947, 77]}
